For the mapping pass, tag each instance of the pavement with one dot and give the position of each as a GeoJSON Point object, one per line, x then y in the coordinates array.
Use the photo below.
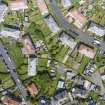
{"type": "Point", "coordinates": [76, 33]}
{"type": "Point", "coordinates": [12, 69]}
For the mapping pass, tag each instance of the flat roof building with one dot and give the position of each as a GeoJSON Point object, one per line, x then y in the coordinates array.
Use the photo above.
{"type": "Point", "coordinates": [28, 45]}
{"type": "Point", "coordinates": [42, 7]}
{"type": "Point", "coordinates": [10, 32]}
{"type": "Point", "coordinates": [16, 5]}
{"type": "Point", "coordinates": [66, 3]}
{"type": "Point", "coordinates": [96, 29]}
{"type": "Point", "coordinates": [79, 19]}
{"type": "Point", "coordinates": [52, 24]}
{"type": "Point", "coordinates": [3, 11]}
{"type": "Point", "coordinates": [87, 51]}
{"type": "Point", "coordinates": [67, 40]}
{"type": "Point", "coordinates": [60, 84]}
{"type": "Point", "coordinates": [32, 65]}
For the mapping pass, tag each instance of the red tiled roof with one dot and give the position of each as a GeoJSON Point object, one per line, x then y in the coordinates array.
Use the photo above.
{"type": "Point", "coordinates": [87, 51]}
{"type": "Point", "coordinates": [78, 17]}
{"type": "Point", "coordinates": [32, 89]}
{"type": "Point", "coordinates": [29, 47]}
{"type": "Point", "coordinates": [18, 4]}
{"type": "Point", "coordinates": [42, 6]}
{"type": "Point", "coordinates": [9, 101]}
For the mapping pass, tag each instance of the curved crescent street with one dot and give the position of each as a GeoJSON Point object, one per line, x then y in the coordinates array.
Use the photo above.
{"type": "Point", "coordinates": [83, 36]}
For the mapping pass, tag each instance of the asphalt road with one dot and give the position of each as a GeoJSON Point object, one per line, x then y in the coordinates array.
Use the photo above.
{"type": "Point", "coordinates": [83, 36]}
{"type": "Point", "coordinates": [12, 69]}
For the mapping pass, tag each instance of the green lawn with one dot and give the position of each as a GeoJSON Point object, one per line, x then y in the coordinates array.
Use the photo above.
{"type": "Point", "coordinates": [2, 67]}
{"type": "Point", "coordinates": [98, 14]}
{"type": "Point", "coordinates": [45, 84]}
{"type": "Point", "coordinates": [85, 61]}
{"type": "Point", "coordinates": [56, 49]}
{"type": "Point", "coordinates": [7, 80]}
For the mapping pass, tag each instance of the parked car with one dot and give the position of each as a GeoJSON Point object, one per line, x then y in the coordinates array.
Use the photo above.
{"type": "Point", "coordinates": [96, 42]}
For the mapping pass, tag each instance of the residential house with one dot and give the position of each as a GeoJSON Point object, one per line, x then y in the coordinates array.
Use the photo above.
{"type": "Point", "coordinates": [28, 45]}
{"type": "Point", "coordinates": [87, 50]}
{"type": "Point", "coordinates": [79, 91]}
{"type": "Point", "coordinates": [16, 5]}
{"type": "Point", "coordinates": [89, 86]}
{"type": "Point", "coordinates": [61, 84]}
{"type": "Point", "coordinates": [70, 75]}
{"type": "Point", "coordinates": [52, 24]}
{"type": "Point", "coordinates": [82, 87]}
{"type": "Point", "coordinates": [61, 97]}
{"type": "Point", "coordinates": [44, 101]}
{"type": "Point", "coordinates": [32, 89]}
{"type": "Point", "coordinates": [66, 3]}
{"type": "Point", "coordinates": [67, 40]}
{"type": "Point", "coordinates": [79, 19]}
{"type": "Point", "coordinates": [32, 60]}
{"type": "Point", "coordinates": [3, 11]}
{"type": "Point", "coordinates": [42, 7]}
{"type": "Point", "coordinates": [96, 29]}
{"type": "Point", "coordinates": [10, 31]}
{"type": "Point", "coordinates": [7, 100]}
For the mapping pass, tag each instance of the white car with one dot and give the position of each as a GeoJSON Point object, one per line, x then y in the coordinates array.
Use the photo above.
{"type": "Point", "coordinates": [96, 42]}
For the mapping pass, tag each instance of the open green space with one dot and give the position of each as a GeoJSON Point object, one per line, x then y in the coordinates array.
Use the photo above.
{"type": "Point", "coordinates": [2, 67]}
{"type": "Point", "coordinates": [56, 48]}
{"type": "Point", "coordinates": [45, 84]}
{"type": "Point", "coordinates": [7, 81]}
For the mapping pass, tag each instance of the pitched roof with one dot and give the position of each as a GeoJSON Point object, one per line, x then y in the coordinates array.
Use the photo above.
{"type": "Point", "coordinates": [18, 5]}
{"type": "Point", "coordinates": [29, 47]}
{"type": "Point", "coordinates": [42, 7]}
{"type": "Point", "coordinates": [10, 32]}
{"type": "Point", "coordinates": [53, 26]}
{"type": "Point", "coordinates": [9, 101]}
{"type": "Point", "coordinates": [32, 89]}
{"type": "Point", "coordinates": [67, 40]}
{"type": "Point", "coordinates": [80, 20]}
{"type": "Point", "coordinates": [87, 51]}
{"type": "Point", "coordinates": [79, 91]}
{"type": "Point", "coordinates": [97, 29]}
